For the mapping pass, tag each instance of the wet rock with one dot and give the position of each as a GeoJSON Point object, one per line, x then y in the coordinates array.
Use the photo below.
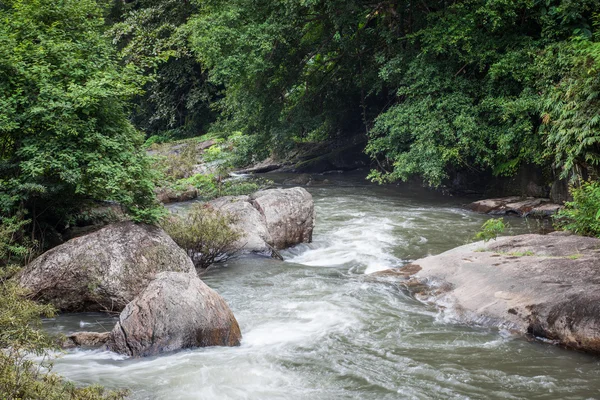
{"type": "Point", "coordinates": [546, 286]}
{"type": "Point", "coordinates": [302, 179]}
{"type": "Point", "coordinates": [104, 270]}
{"type": "Point", "coordinates": [264, 166]}
{"type": "Point", "coordinates": [176, 311]}
{"type": "Point", "coordinates": [522, 207]}
{"type": "Point", "coordinates": [86, 339]}
{"type": "Point", "coordinates": [271, 219]}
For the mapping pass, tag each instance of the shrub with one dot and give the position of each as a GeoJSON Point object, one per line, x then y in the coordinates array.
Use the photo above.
{"type": "Point", "coordinates": [491, 229]}
{"type": "Point", "coordinates": [204, 233]}
{"type": "Point", "coordinates": [582, 215]}
{"type": "Point", "coordinates": [21, 337]}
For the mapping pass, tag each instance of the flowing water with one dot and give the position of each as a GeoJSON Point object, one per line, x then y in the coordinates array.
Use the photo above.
{"type": "Point", "coordinates": [316, 327]}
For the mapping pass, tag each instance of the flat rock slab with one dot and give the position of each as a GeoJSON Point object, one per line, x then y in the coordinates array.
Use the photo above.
{"type": "Point", "coordinates": [522, 207]}
{"type": "Point", "coordinates": [546, 286]}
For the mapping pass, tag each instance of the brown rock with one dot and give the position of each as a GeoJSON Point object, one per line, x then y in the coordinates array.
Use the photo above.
{"type": "Point", "coordinates": [522, 207]}
{"type": "Point", "coordinates": [176, 311]}
{"type": "Point", "coordinates": [86, 339]}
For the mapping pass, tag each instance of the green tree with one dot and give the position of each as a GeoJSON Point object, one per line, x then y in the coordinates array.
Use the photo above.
{"type": "Point", "coordinates": [177, 96]}
{"type": "Point", "coordinates": [64, 133]}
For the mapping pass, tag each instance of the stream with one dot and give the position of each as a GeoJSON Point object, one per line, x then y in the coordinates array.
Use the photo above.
{"type": "Point", "coordinates": [316, 327]}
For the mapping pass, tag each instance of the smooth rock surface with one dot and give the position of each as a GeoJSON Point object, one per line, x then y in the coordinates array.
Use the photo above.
{"type": "Point", "coordinates": [104, 270]}
{"type": "Point", "coordinates": [176, 311]}
{"type": "Point", "coordinates": [289, 213]}
{"type": "Point", "coordinates": [514, 205]}
{"type": "Point", "coordinates": [271, 219]}
{"type": "Point", "coordinates": [248, 220]}
{"type": "Point", "coordinates": [546, 286]}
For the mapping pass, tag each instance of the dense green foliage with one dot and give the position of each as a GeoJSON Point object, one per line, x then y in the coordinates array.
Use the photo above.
{"type": "Point", "coordinates": [177, 96]}
{"type": "Point", "coordinates": [64, 132]}
{"type": "Point", "coordinates": [473, 85]}
{"type": "Point", "coordinates": [582, 215]}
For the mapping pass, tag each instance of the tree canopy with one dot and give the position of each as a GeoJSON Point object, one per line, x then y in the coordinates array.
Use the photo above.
{"type": "Point", "coordinates": [64, 129]}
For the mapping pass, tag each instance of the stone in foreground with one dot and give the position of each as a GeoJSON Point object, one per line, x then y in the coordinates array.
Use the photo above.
{"type": "Point", "coordinates": [105, 270]}
{"type": "Point", "coordinates": [545, 286]}
{"type": "Point", "coordinates": [176, 311]}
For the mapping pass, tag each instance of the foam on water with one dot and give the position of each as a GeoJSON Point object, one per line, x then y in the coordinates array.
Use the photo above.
{"type": "Point", "coordinates": [315, 327]}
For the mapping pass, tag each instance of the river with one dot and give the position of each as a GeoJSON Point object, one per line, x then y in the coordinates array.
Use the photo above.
{"type": "Point", "coordinates": [316, 327]}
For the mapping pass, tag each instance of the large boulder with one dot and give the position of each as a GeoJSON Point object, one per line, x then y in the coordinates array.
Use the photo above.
{"type": "Point", "coordinates": [104, 270]}
{"type": "Point", "coordinates": [545, 286]}
{"type": "Point", "coordinates": [271, 219]}
{"type": "Point", "coordinates": [250, 222]}
{"type": "Point", "coordinates": [176, 311]}
{"type": "Point", "coordinates": [289, 214]}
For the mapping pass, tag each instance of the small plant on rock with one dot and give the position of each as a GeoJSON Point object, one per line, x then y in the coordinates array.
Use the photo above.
{"type": "Point", "coordinates": [491, 229]}
{"type": "Point", "coordinates": [204, 233]}
{"type": "Point", "coordinates": [582, 215]}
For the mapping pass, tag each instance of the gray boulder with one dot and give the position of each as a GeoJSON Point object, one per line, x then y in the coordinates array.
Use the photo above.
{"type": "Point", "coordinates": [289, 214]}
{"type": "Point", "coordinates": [249, 221]}
{"type": "Point", "coordinates": [104, 270]}
{"type": "Point", "coordinates": [271, 219]}
{"type": "Point", "coordinates": [176, 311]}
{"type": "Point", "coordinates": [544, 286]}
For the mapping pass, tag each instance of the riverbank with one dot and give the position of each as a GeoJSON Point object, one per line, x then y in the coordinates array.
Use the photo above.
{"type": "Point", "coordinates": [542, 286]}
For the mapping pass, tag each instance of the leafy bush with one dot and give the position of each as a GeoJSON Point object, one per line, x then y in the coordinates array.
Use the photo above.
{"type": "Point", "coordinates": [582, 215]}
{"type": "Point", "coordinates": [21, 337]}
{"type": "Point", "coordinates": [65, 132]}
{"type": "Point", "coordinates": [491, 229]}
{"type": "Point", "coordinates": [204, 233]}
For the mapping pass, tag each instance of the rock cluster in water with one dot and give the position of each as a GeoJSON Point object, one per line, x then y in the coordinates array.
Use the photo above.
{"type": "Point", "coordinates": [138, 270]}
{"type": "Point", "coordinates": [545, 286]}
{"type": "Point", "coordinates": [271, 219]}
{"type": "Point", "coordinates": [517, 206]}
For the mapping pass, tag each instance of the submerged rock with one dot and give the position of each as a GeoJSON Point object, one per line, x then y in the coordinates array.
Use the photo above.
{"type": "Point", "coordinates": [522, 207]}
{"type": "Point", "coordinates": [86, 339]}
{"type": "Point", "coordinates": [176, 311]}
{"type": "Point", "coordinates": [104, 270]}
{"type": "Point", "coordinates": [546, 286]}
{"type": "Point", "coordinates": [271, 219]}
